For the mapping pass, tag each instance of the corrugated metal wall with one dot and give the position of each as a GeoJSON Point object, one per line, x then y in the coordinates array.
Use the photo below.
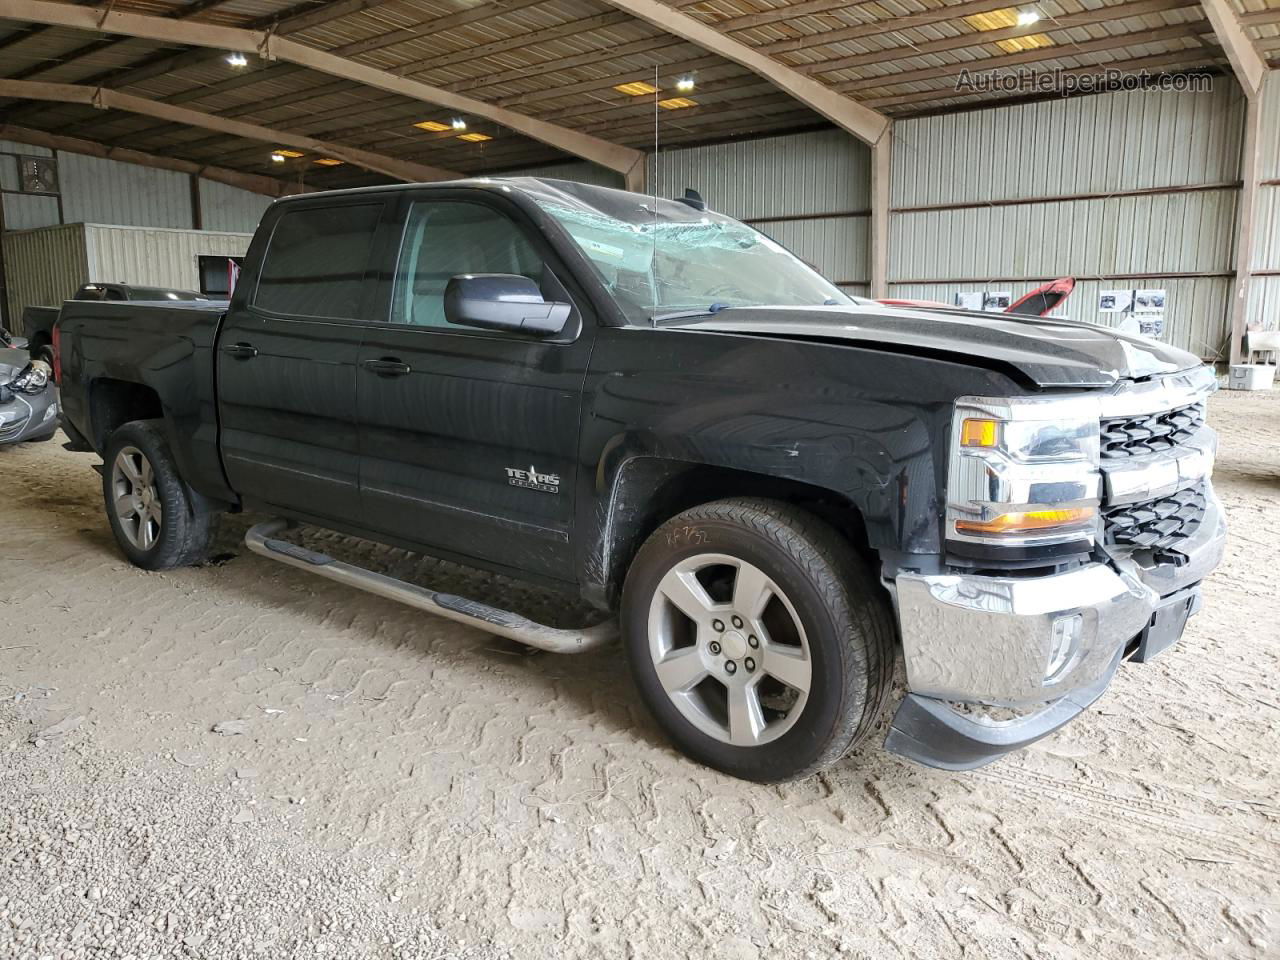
{"type": "Point", "coordinates": [95, 190]}
{"type": "Point", "coordinates": [1264, 291]}
{"type": "Point", "coordinates": [1120, 142]}
{"type": "Point", "coordinates": [1114, 141]}
{"type": "Point", "coordinates": [44, 267]}
{"type": "Point", "coordinates": [811, 192]}
{"type": "Point", "coordinates": [163, 258]}
{"type": "Point", "coordinates": [228, 208]}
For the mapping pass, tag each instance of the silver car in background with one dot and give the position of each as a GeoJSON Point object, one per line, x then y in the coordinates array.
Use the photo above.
{"type": "Point", "coordinates": [28, 398]}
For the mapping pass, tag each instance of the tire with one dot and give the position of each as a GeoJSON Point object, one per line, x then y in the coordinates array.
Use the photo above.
{"type": "Point", "coordinates": [179, 523]}
{"type": "Point", "coordinates": [803, 598]}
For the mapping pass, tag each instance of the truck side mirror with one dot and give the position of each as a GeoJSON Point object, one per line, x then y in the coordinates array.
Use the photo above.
{"type": "Point", "coordinates": [502, 301]}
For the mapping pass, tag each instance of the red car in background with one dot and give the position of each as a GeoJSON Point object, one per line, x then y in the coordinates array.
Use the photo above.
{"type": "Point", "coordinates": [1040, 302]}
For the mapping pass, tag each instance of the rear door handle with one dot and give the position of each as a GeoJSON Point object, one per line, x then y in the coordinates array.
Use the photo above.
{"type": "Point", "coordinates": [387, 367]}
{"type": "Point", "coordinates": [241, 351]}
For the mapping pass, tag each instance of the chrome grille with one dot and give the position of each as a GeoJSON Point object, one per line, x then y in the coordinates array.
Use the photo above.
{"type": "Point", "coordinates": [1124, 437]}
{"type": "Point", "coordinates": [10, 430]}
{"type": "Point", "coordinates": [1157, 525]}
{"type": "Point", "coordinates": [1153, 433]}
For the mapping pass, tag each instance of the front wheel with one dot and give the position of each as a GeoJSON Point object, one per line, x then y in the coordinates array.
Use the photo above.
{"type": "Point", "coordinates": [158, 521]}
{"type": "Point", "coordinates": [758, 638]}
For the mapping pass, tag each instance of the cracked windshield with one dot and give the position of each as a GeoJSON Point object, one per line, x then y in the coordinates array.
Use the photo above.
{"type": "Point", "coordinates": [677, 261]}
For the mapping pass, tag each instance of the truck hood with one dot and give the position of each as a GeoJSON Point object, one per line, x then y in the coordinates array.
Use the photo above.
{"type": "Point", "coordinates": [1049, 352]}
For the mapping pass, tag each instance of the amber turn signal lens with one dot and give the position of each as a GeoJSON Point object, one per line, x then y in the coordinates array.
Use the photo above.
{"type": "Point", "coordinates": [979, 433]}
{"type": "Point", "coordinates": [1028, 520]}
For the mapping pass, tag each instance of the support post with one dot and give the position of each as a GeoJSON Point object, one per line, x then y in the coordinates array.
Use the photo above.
{"type": "Point", "coordinates": [636, 177]}
{"type": "Point", "coordinates": [197, 215]}
{"type": "Point", "coordinates": [1244, 237]}
{"type": "Point", "coordinates": [881, 173]}
{"type": "Point", "coordinates": [5, 321]}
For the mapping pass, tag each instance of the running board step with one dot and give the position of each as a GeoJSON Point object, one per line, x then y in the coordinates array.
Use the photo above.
{"type": "Point", "coordinates": [262, 539]}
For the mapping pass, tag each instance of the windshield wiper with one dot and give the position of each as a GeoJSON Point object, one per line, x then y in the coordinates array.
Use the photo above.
{"type": "Point", "coordinates": [690, 314]}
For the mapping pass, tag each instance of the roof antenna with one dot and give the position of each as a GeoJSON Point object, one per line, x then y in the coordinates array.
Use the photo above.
{"type": "Point", "coordinates": [653, 189]}
{"type": "Point", "coordinates": [692, 198]}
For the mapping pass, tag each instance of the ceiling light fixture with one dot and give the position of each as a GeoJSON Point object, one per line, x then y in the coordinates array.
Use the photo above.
{"type": "Point", "coordinates": [237, 59]}
{"type": "Point", "coordinates": [686, 84]}
{"type": "Point", "coordinates": [459, 124]}
{"type": "Point", "coordinates": [328, 162]}
{"type": "Point", "coordinates": [1027, 17]}
{"type": "Point", "coordinates": [291, 154]}
{"type": "Point", "coordinates": [277, 158]}
{"type": "Point", "coordinates": [475, 137]}
{"type": "Point", "coordinates": [677, 103]}
{"type": "Point", "coordinates": [435, 126]}
{"type": "Point", "coordinates": [637, 89]}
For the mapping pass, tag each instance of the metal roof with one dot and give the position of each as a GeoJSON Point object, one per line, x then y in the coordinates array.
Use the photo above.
{"type": "Point", "coordinates": [561, 60]}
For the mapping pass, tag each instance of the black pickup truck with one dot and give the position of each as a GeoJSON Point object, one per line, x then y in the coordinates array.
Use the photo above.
{"type": "Point", "coordinates": [37, 322]}
{"type": "Point", "coordinates": [775, 487]}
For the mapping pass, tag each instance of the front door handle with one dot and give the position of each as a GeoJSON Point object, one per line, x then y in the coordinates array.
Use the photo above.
{"type": "Point", "coordinates": [241, 351]}
{"type": "Point", "coordinates": [387, 367]}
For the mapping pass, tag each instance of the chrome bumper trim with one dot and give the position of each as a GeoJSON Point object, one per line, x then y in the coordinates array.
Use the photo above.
{"type": "Point", "coordinates": [1171, 392]}
{"type": "Point", "coordinates": [993, 639]}
{"type": "Point", "coordinates": [1018, 641]}
{"type": "Point", "coordinates": [1140, 479]}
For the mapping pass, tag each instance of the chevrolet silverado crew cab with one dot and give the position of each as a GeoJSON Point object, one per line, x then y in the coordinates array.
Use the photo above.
{"type": "Point", "coordinates": [771, 487]}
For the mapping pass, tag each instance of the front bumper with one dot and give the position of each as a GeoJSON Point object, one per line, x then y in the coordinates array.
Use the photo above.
{"type": "Point", "coordinates": [1046, 647]}
{"type": "Point", "coordinates": [27, 417]}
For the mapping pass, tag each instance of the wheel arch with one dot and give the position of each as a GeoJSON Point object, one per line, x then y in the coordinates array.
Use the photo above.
{"type": "Point", "coordinates": [113, 403]}
{"type": "Point", "coordinates": [648, 491]}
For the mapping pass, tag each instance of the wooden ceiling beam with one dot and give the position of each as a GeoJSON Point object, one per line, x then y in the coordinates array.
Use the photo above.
{"type": "Point", "coordinates": [268, 45]}
{"type": "Point", "coordinates": [252, 182]}
{"type": "Point", "coordinates": [1246, 61]}
{"type": "Point", "coordinates": [864, 123]}
{"type": "Point", "coordinates": [105, 99]}
{"type": "Point", "coordinates": [102, 43]}
{"type": "Point", "coordinates": [304, 15]}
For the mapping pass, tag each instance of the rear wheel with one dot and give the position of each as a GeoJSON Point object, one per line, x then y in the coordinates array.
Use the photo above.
{"type": "Point", "coordinates": [158, 521]}
{"type": "Point", "coordinates": [758, 638]}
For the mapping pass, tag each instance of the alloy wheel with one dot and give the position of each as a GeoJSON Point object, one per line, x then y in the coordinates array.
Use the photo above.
{"type": "Point", "coordinates": [729, 649]}
{"type": "Point", "coordinates": [135, 498]}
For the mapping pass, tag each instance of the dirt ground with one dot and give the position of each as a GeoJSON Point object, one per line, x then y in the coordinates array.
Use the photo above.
{"type": "Point", "coordinates": [404, 786]}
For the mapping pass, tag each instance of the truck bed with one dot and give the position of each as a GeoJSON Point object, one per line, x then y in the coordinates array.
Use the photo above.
{"type": "Point", "coordinates": [135, 354]}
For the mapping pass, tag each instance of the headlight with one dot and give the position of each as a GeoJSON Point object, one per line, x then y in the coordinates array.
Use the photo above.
{"type": "Point", "coordinates": [32, 379]}
{"type": "Point", "coordinates": [1024, 471]}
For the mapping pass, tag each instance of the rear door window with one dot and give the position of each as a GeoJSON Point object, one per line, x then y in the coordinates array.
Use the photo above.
{"type": "Point", "coordinates": [316, 261]}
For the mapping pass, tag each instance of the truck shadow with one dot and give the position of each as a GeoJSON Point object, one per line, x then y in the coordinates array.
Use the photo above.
{"type": "Point", "coordinates": [596, 683]}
